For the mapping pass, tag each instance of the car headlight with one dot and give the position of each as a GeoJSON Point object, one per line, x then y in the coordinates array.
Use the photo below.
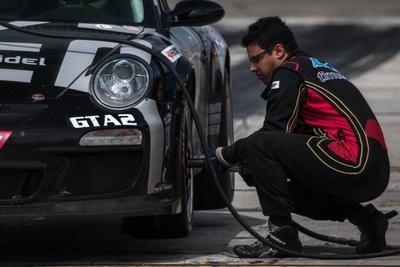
{"type": "Point", "coordinates": [120, 83]}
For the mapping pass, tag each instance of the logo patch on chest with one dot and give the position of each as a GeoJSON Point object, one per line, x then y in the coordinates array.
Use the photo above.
{"type": "Point", "coordinates": [275, 85]}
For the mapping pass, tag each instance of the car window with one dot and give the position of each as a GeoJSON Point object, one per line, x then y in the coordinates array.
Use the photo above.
{"type": "Point", "coordinates": [73, 10]}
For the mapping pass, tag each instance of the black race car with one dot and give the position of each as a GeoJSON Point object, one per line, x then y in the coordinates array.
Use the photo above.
{"type": "Point", "coordinates": [94, 117]}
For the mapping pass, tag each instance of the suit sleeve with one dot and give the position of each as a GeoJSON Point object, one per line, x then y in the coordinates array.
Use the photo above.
{"type": "Point", "coordinates": [281, 111]}
{"type": "Point", "coordinates": [283, 102]}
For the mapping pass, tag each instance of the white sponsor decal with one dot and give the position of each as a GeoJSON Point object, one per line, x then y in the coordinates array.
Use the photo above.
{"type": "Point", "coordinates": [24, 76]}
{"type": "Point", "coordinates": [26, 47]}
{"type": "Point", "coordinates": [23, 24]}
{"type": "Point", "coordinates": [23, 60]}
{"type": "Point", "coordinates": [106, 120]}
{"type": "Point", "coordinates": [80, 54]}
{"type": "Point", "coordinates": [171, 53]}
{"type": "Point", "coordinates": [162, 186]}
{"type": "Point", "coordinates": [131, 28]}
{"type": "Point", "coordinates": [136, 51]}
{"type": "Point", "coordinates": [275, 85]}
{"type": "Point", "coordinates": [114, 28]}
{"type": "Point", "coordinates": [103, 26]}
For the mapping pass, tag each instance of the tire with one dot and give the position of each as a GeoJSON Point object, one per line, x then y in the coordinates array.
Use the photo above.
{"type": "Point", "coordinates": [207, 195]}
{"type": "Point", "coordinates": [176, 225]}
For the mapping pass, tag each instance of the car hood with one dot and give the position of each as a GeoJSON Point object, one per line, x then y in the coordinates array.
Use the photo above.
{"type": "Point", "coordinates": [36, 67]}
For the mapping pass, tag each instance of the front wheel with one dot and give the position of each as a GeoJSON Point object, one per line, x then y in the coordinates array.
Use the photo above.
{"type": "Point", "coordinates": [207, 195]}
{"type": "Point", "coordinates": [177, 225]}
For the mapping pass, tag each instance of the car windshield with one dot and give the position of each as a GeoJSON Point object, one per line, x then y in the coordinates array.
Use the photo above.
{"type": "Point", "coordinates": [95, 11]}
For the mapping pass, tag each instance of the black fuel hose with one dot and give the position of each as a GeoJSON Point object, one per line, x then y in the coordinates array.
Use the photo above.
{"type": "Point", "coordinates": [203, 142]}
{"type": "Point", "coordinates": [338, 240]}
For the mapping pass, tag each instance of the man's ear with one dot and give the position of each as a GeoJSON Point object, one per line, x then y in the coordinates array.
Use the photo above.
{"type": "Point", "coordinates": [279, 51]}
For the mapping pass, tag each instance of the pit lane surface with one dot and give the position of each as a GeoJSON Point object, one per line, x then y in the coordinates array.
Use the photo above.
{"type": "Point", "coordinates": [361, 41]}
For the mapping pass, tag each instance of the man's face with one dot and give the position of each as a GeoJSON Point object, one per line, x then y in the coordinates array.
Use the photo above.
{"type": "Point", "coordinates": [264, 62]}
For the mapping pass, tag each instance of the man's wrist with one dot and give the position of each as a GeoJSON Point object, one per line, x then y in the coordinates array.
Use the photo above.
{"type": "Point", "coordinates": [218, 154]}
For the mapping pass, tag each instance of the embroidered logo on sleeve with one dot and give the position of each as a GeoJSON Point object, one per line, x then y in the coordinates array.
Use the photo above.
{"type": "Point", "coordinates": [275, 85]}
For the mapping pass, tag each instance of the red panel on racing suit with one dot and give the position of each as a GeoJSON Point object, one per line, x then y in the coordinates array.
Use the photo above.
{"type": "Point", "coordinates": [319, 102]}
{"type": "Point", "coordinates": [339, 129]}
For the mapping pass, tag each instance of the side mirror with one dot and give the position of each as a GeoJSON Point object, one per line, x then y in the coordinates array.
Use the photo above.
{"type": "Point", "coordinates": [196, 13]}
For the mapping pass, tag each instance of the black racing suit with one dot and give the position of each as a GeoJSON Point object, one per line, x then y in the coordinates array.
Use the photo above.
{"type": "Point", "coordinates": [320, 151]}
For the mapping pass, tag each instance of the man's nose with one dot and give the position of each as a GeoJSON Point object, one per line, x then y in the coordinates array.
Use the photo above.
{"type": "Point", "coordinates": [253, 67]}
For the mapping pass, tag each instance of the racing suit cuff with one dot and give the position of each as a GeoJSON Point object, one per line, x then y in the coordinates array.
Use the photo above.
{"type": "Point", "coordinates": [218, 154]}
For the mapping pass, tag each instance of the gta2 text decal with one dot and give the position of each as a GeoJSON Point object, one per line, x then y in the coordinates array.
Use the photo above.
{"type": "Point", "coordinates": [103, 120]}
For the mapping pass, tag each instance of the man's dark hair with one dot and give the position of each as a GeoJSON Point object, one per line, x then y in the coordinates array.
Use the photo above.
{"type": "Point", "coordinates": [269, 31]}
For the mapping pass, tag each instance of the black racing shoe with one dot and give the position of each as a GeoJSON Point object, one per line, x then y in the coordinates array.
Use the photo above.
{"type": "Point", "coordinates": [285, 236]}
{"type": "Point", "coordinates": [372, 238]}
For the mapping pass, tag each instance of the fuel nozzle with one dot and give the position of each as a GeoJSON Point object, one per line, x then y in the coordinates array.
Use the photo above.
{"type": "Point", "coordinates": [198, 161]}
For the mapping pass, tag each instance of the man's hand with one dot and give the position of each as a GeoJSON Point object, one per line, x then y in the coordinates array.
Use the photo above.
{"type": "Point", "coordinates": [217, 162]}
{"type": "Point", "coordinates": [219, 168]}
